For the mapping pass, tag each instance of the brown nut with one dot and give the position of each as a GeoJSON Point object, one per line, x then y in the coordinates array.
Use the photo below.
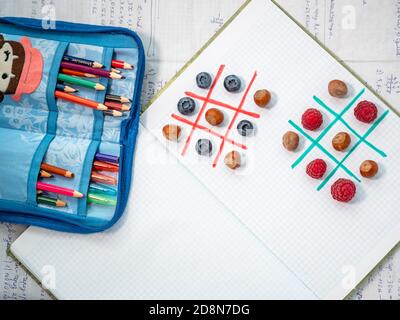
{"type": "Point", "coordinates": [290, 140]}
{"type": "Point", "coordinates": [214, 117]}
{"type": "Point", "coordinates": [262, 98]}
{"type": "Point", "coordinates": [232, 160]}
{"type": "Point", "coordinates": [337, 88]}
{"type": "Point", "coordinates": [369, 169]}
{"type": "Point", "coordinates": [171, 132]}
{"type": "Point", "coordinates": [341, 141]}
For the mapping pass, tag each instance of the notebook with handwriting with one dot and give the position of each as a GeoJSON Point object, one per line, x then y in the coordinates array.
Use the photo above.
{"type": "Point", "coordinates": [317, 208]}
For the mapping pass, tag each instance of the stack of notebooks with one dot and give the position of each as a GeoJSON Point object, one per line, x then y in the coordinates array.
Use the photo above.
{"type": "Point", "coordinates": [196, 229]}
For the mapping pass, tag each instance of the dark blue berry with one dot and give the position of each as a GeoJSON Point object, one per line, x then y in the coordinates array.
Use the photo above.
{"type": "Point", "coordinates": [245, 128]}
{"type": "Point", "coordinates": [204, 147]}
{"type": "Point", "coordinates": [186, 105]}
{"type": "Point", "coordinates": [204, 80]}
{"type": "Point", "coordinates": [232, 83]}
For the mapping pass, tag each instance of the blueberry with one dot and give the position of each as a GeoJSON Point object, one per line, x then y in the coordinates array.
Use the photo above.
{"type": "Point", "coordinates": [245, 128]}
{"type": "Point", "coordinates": [232, 83]}
{"type": "Point", "coordinates": [204, 80]}
{"type": "Point", "coordinates": [186, 105]}
{"type": "Point", "coordinates": [204, 147]}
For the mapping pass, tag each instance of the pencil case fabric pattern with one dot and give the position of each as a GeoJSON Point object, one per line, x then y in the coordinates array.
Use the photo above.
{"type": "Point", "coordinates": [36, 127]}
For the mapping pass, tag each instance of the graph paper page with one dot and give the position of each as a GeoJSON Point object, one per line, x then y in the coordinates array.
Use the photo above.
{"type": "Point", "coordinates": [329, 245]}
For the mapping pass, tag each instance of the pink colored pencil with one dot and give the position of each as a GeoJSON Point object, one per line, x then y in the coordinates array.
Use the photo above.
{"type": "Point", "coordinates": [59, 190]}
{"type": "Point", "coordinates": [95, 71]}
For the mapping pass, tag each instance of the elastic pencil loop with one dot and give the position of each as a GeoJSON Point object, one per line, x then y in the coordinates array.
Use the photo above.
{"type": "Point", "coordinates": [51, 125]}
{"type": "Point", "coordinates": [96, 136]}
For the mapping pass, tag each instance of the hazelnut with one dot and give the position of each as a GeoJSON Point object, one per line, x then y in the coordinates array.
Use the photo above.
{"type": "Point", "coordinates": [341, 141]}
{"type": "Point", "coordinates": [290, 140]}
{"type": "Point", "coordinates": [369, 169]}
{"type": "Point", "coordinates": [262, 98]}
{"type": "Point", "coordinates": [171, 132]}
{"type": "Point", "coordinates": [337, 88]}
{"type": "Point", "coordinates": [214, 117]}
{"type": "Point", "coordinates": [232, 160]}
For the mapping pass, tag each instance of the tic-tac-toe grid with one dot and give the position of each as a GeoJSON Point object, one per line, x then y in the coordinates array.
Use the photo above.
{"type": "Point", "coordinates": [338, 117]}
{"type": "Point", "coordinates": [209, 100]}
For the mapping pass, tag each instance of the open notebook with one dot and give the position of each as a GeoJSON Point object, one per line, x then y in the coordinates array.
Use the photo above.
{"type": "Point", "coordinates": [168, 246]}
{"type": "Point", "coordinates": [305, 244]}
{"type": "Point", "coordinates": [329, 245]}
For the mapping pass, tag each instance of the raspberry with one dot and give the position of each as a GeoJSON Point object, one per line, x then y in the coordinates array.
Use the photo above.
{"type": "Point", "coordinates": [343, 190]}
{"type": "Point", "coordinates": [316, 168]}
{"type": "Point", "coordinates": [311, 119]}
{"type": "Point", "coordinates": [366, 112]}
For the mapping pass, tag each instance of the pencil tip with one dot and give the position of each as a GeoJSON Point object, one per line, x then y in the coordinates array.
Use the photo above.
{"type": "Point", "coordinates": [97, 65]}
{"type": "Point", "coordinates": [77, 194]}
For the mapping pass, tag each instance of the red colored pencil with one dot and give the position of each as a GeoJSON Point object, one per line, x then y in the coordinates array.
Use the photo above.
{"type": "Point", "coordinates": [101, 178]}
{"type": "Point", "coordinates": [104, 166]}
{"type": "Point", "coordinates": [82, 101]}
{"type": "Point", "coordinates": [117, 106]}
{"type": "Point", "coordinates": [95, 71]}
{"type": "Point", "coordinates": [59, 190]}
{"type": "Point", "coordinates": [121, 64]}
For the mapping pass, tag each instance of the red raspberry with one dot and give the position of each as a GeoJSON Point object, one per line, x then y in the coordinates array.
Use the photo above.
{"type": "Point", "coordinates": [343, 190]}
{"type": "Point", "coordinates": [316, 168]}
{"type": "Point", "coordinates": [366, 112]}
{"type": "Point", "coordinates": [311, 119]}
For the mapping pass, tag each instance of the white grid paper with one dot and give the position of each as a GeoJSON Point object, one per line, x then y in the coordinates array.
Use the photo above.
{"type": "Point", "coordinates": [312, 234]}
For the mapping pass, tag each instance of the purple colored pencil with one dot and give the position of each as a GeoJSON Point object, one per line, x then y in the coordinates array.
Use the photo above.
{"type": "Point", "coordinates": [106, 158]}
{"type": "Point", "coordinates": [95, 71]}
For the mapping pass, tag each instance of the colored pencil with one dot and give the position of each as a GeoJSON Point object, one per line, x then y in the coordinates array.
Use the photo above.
{"type": "Point", "coordinates": [59, 190]}
{"type": "Point", "coordinates": [106, 158]}
{"type": "Point", "coordinates": [56, 170]}
{"type": "Point", "coordinates": [98, 72]}
{"type": "Point", "coordinates": [83, 62]}
{"type": "Point", "coordinates": [98, 199]}
{"type": "Point", "coordinates": [105, 166]}
{"type": "Point", "coordinates": [113, 97]}
{"type": "Point", "coordinates": [45, 174]}
{"type": "Point", "coordinates": [50, 201]}
{"type": "Point", "coordinates": [102, 189]}
{"type": "Point", "coordinates": [80, 82]}
{"type": "Point", "coordinates": [113, 113]}
{"type": "Point", "coordinates": [117, 106]}
{"type": "Point", "coordinates": [121, 64]}
{"type": "Point", "coordinates": [101, 178]}
{"type": "Point", "coordinates": [115, 70]}
{"type": "Point", "coordinates": [82, 101]}
{"type": "Point", "coordinates": [77, 73]}
{"type": "Point", "coordinates": [65, 88]}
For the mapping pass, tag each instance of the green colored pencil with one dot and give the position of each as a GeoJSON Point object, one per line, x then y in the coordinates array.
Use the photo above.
{"type": "Point", "coordinates": [80, 82]}
{"type": "Point", "coordinates": [101, 199]}
{"type": "Point", "coordinates": [54, 202]}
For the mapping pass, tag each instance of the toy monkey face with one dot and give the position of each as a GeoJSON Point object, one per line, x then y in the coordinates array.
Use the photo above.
{"type": "Point", "coordinates": [6, 63]}
{"type": "Point", "coordinates": [12, 57]}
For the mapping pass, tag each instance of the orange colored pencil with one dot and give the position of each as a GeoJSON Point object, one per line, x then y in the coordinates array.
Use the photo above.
{"type": "Point", "coordinates": [77, 73]}
{"type": "Point", "coordinates": [82, 101]}
{"type": "Point", "coordinates": [101, 178]}
{"type": "Point", "coordinates": [56, 170]}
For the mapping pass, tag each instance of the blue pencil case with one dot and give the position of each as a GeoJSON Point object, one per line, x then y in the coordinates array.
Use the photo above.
{"type": "Point", "coordinates": [36, 127]}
